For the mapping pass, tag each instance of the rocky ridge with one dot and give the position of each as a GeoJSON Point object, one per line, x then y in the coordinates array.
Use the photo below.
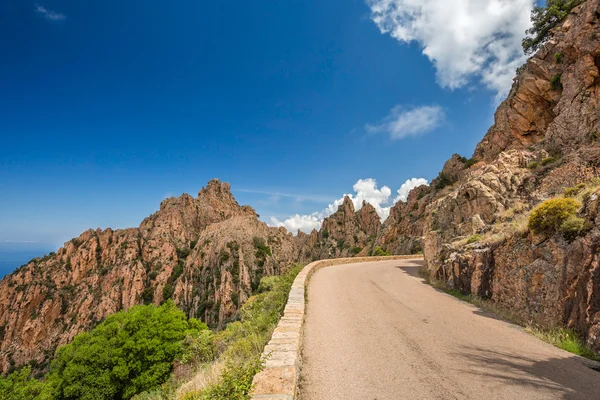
{"type": "Point", "coordinates": [207, 254]}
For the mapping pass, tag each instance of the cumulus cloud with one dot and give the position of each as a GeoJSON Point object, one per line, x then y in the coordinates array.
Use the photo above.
{"type": "Point", "coordinates": [407, 186]}
{"type": "Point", "coordinates": [464, 39]}
{"type": "Point", "coordinates": [402, 121]}
{"type": "Point", "coordinates": [305, 223]}
{"type": "Point", "coordinates": [49, 14]}
{"type": "Point", "coordinates": [364, 190]}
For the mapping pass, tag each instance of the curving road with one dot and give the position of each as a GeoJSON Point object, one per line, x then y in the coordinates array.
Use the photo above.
{"type": "Point", "coordinates": [376, 331]}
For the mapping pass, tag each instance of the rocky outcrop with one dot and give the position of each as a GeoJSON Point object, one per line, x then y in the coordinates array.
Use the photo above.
{"type": "Point", "coordinates": [345, 233]}
{"type": "Point", "coordinates": [206, 253]}
{"type": "Point", "coordinates": [475, 234]}
{"type": "Point", "coordinates": [402, 231]}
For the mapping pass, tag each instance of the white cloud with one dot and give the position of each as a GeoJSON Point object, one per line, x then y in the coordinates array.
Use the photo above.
{"type": "Point", "coordinates": [364, 190]}
{"type": "Point", "coordinates": [463, 38]}
{"type": "Point", "coordinates": [49, 14]}
{"type": "Point", "coordinates": [402, 122]}
{"type": "Point", "coordinates": [407, 186]}
{"type": "Point", "coordinates": [305, 223]}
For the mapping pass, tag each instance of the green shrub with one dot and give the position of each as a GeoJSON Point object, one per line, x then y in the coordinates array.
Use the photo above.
{"type": "Point", "coordinates": [262, 250]}
{"type": "Point", "coordinates": [199, 347]}
{"type": "Point", "coordinates": [574, 190]}
{"type": "Point", "coordinates": [469, 162]}
{"type": "Point", "coordinates": [182, 254]}
{"type": "Point", "coordinates": [533, 165]}
{"type": "Point", "coordinates": [558, 56]}
{"type": "Point", "coordinates": [355, 250]}
{"type": "Point", "coordinates": [474, 239]}
{"type": "Point", "coordinates": [544, 19]}
{"type": "Point", "coordinates": [555, 82]}
{"type": "Point", "coordinates": [442, 181]}
{"type": "Point", "coordinates": [549, 160]}
{"type": "Point", "coordinates": [148, 295]}
{"type": "Point", "coordinates": [551, 214]}
{"type": "Point", "coordinates": [235, 382]}
{"type": "Point", "coordinates": [19, 385]}
{"type": "Point", "coordinates": [378, 252]}
{"type": "Point", "coordinates": [325, 233]}
{"type": "Point", "coordinates": [572, 227]}
{"type": "Point", "coordinates": [130, 352]}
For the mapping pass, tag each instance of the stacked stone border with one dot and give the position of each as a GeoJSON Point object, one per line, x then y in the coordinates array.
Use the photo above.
{"type": "Point", "coordinates": [281, 375]}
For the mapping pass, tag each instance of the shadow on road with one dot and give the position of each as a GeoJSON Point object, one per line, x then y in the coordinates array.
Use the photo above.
{"type": "Point", "coordinates": [566, 377]}
{"type": "Point", "coordinates": [412, 271]}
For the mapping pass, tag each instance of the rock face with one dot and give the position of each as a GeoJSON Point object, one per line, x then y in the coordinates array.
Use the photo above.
{"type": "Point", "coordinates": [544, 140]}
{"type": "Point", "coordinates": [206, 253]}
{"type": "Point", "coordinates": [344, 233]}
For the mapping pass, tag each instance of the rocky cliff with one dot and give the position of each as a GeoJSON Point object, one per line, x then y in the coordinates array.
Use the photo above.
{"type": "Point", "coordinates": [344, 233]}
{"type": "Point", "coordinates": [545, 140]}
{"type": "Point", "coordinates": [206, 253]}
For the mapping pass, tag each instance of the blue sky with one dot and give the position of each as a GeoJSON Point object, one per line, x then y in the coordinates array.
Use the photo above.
{"type": "Point", "coordinates": [108, 107]}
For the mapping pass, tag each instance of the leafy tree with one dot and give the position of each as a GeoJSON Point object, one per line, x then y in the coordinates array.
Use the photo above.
{"type": "Point", "coordinates": [130, 352]}
{"type": "Point", "coordinates": [20, 386]}
{"type": "Point", "coordinates": [544, 19]}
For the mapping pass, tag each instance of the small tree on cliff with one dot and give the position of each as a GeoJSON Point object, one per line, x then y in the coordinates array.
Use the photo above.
{"type": "Point", "coordinates": [544, 19]}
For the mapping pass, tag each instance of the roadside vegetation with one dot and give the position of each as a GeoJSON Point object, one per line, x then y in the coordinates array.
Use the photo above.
{"type": "Point", "coordinates": [157, 353]}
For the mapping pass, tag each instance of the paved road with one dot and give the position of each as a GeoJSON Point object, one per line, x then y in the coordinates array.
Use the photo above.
{"type": "Point", "coordinates": [377, 331]}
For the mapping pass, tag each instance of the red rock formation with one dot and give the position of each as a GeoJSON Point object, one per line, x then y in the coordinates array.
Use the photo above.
{"type": "Point", "coordinates": [206, 253]}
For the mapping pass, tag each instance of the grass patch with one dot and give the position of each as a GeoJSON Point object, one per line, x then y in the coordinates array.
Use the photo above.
{"type": "Point", "coordinates": [474, 239]}
{"type": "Point", "coordinates": [565, 339]}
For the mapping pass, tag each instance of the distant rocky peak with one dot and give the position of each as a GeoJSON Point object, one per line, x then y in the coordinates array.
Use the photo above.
{"type": "Point", "coordinates": [216, 188]}
{"type": "Point", "coordinates": [347, 205]}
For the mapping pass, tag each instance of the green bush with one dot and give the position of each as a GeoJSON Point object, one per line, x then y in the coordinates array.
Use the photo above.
{"type": "Point", "coordinates": [555, 82]}
{"type": "Point", "coordinates": [533, 165]}
{"type": "Point", "coordinates": [378, 252]}
{"type": "Point", "coordinates": [262, 250]}
{"type": "Point", "coordinates": [130, 352]}
{"type": "Point", "coordinates": [355, 250]}
{"type": "Point", "coordinates": [574, 190]}
{"type": "Point", "coordinates": [442, 181]}
{"type": "Point", "coordinates": [549, 160]}
{"type": "Point", "coordinates": [469, 162]}
{"type": "Point", "coordinates": [235, 382]}
{"type": "Point", "coordinates": [544, 19]}
{"type": "Point", "coordinates": [549, 216]}
{"type": "Point", "coordinates": [572, 227]}
{"type": "Point", "coordinates": [558, 56]}
{"type": "Point", "coordinates": [199, 347]}
{"type": "Point", "coordinates": [473, 239]}
{"type": "Point", "coordinates": [325, 233]}
{"type": "Point", "coordinates": [20, 386]}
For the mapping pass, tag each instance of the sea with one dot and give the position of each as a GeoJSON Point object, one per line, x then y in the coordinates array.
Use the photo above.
{"type": "Point", "coordinates": [11, 260]}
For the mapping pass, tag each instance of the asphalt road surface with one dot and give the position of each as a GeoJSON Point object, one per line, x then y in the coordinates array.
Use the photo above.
{"type": "Point", "coordinates": [378, 331]}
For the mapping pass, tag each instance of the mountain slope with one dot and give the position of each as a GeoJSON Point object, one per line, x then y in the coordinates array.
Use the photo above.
{"type": "Point", "coordinates": [206, 253]}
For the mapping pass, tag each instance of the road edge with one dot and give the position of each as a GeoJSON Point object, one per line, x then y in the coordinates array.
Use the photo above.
{"type": "Point", "coordinates": [281, 375]}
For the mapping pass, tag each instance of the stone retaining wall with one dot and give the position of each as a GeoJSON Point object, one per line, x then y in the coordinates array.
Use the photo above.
{"type": "Point", "coordinates": [279, 379]}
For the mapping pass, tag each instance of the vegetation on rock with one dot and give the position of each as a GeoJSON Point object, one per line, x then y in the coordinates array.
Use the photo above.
{"type": "Point", "coordinates": [544, 19]}
{"type": "Point", "coordinates": [554, 215]}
